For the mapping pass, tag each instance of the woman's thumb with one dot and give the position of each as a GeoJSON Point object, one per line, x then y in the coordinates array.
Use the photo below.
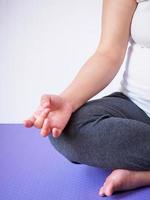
{"type": "Point", "coordinates": [45, 100]}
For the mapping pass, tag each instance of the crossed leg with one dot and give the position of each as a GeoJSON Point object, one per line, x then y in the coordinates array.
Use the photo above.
{"type": "Point", "coordinates": [111, 133]}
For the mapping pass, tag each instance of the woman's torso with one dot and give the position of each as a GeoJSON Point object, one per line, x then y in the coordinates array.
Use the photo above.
{"type": "Point", "coordinates": [136, 78]}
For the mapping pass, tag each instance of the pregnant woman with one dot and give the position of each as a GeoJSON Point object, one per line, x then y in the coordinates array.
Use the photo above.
{"type": "Point", "coordinates": [112, 132]}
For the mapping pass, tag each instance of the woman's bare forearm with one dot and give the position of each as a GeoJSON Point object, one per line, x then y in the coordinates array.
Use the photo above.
{"type": "Point", "coordinates": [94, 76]}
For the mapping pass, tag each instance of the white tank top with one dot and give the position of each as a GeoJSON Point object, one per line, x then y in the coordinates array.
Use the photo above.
{"type": "Point", "coordinates": [136, 78]}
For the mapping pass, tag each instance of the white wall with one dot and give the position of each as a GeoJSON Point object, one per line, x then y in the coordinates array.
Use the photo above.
{"type": "Point", "coordinates": [43, 43]}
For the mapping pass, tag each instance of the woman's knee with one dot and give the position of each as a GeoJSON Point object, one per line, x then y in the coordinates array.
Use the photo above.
{"type": "Point", "coordinates": [68, 142]}
{"type": "Point", "coordinates": [65, 144]}
{"type": "Point", "coordinates": [73, 137]}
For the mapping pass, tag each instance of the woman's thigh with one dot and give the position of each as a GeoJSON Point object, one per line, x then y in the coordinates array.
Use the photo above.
{"type": "Point", "coordinates": [115, 104]}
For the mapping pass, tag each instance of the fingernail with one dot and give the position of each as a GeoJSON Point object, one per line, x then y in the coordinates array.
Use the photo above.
{"type": "Point", "coordinates": [55, 132]}
{"type": "Point", "coordinates": [43, 133]}
{"type": "Point", "coordinates": [54, 135]}
{"type": "Point", "coordinates": [101, 194]}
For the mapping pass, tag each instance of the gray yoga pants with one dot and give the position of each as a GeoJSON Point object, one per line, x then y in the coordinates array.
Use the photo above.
{"type": "Point", "coordinates": [111, 133]}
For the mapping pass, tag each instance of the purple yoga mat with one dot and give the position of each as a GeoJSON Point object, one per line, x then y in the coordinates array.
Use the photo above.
{"type": "Point", "coordinates": [31, 169]}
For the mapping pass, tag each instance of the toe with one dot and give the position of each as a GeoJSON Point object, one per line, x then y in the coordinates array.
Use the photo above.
{"type": "Point", "coordinates": [101, 191]}
{"type": "Point", "coordinates": [109, 188]}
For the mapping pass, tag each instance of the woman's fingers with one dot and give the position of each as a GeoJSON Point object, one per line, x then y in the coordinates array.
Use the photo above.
{"type": "Point", "coordinates": [46, 127]}
{"type": "Point", "coordinates": [56, 132]}
{"type": "Point", "coordinates": [40, 120]}
{"type": "Point", "coordinates": [29, 122]}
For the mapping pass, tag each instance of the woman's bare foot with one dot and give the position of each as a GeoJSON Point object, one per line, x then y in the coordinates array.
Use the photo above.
{"type": "Point", "coordinates": [121, 179]}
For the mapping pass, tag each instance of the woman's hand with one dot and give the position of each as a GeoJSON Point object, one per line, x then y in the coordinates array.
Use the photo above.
{"type": "Point", "coordinates": [51, 116]}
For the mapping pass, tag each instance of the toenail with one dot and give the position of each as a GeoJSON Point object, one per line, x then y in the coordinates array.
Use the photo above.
{"type": "Point", "coordinates": [101, 192]}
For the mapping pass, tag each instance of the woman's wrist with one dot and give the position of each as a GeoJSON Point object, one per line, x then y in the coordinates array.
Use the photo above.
{"type": "Point", "coordinates": [68, 100]}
